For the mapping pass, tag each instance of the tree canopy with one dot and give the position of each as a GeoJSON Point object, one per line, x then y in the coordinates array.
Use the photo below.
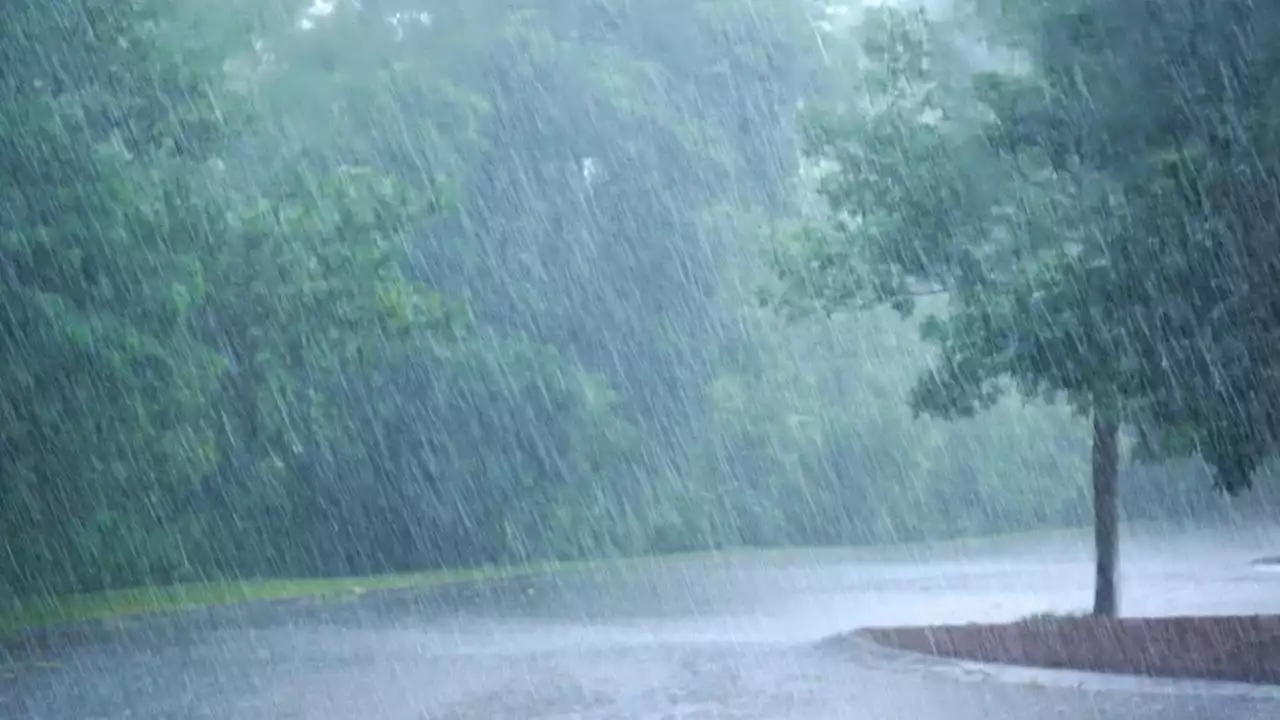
{"type": "Point", "coordinates": [1076, 213]}
{"type": "Point", "coordinates": [297, 289]}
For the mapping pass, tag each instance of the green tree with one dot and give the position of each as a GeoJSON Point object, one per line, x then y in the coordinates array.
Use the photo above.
{"type": "Point", "coordinates": [173, 326]}
{"type": "Point", "coordinates": [303, 288]}
{"type": "Point", "coordinates": [1174, 106]}
{"type": "Point", "coordinates": [919, 206]}
{"type": "Point", "coordinates": [563, 235]}
{"type": "Point", "coordinates": [1041, 205]}
{"type": "Point", "coordinates": [106, 109]}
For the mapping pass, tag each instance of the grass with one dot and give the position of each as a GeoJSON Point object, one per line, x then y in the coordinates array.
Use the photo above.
{"type": "Point", "coordinates": [30, 613]}
{"type": "Point", "coordinates": [25, 614]}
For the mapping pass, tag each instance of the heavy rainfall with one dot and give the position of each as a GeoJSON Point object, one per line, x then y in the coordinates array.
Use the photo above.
{"type": "Point", "coordinates": [443, 359]}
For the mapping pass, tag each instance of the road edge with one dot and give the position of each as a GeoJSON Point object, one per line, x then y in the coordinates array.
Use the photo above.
{"type": "Point", "coordinates": [871, 654]}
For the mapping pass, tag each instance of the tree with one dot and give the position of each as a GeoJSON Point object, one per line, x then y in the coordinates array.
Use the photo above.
{"type": "Point", "coordinates": [106, 108]}
{"type": "Point", "coordinates": [304, 288]}
{"type": "Point", "coordinates": [173, 325]}
{"type": "Point", "coordinates": [1015, 198]}
{"type": "Point", "coordinates": [1173, 103]}
{"type": "Point", "coordinates": [563, 236]}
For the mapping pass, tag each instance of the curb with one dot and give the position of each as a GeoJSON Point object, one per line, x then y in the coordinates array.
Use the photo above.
{"type": "Point", "coordinates": [1269, 564]}
{"type": "Point", "coordinates": [881, 657]}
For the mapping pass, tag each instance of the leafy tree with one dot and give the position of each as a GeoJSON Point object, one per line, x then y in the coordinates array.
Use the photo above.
{"type": "Point", "coordinates": [106, 110]}
{"type": "Point", "coordinates": [171, 325]}
{"type": "Point", "coordinates": [303, 288]}
{"type": "Point", "coordinates": [920, 206]}
{"type": "Point", "coordinates": [1172, 103]}
{"type": "Point", "coordinates": [562, 236]}
{"type": "Point", "coordinates": [1047, 228]}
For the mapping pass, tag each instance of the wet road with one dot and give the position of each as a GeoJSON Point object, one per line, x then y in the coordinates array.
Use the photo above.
{"type": "Point", "coordinates": [733, 636]}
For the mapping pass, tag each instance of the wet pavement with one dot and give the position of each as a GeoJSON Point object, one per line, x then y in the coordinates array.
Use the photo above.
{"type": "Point", "coordinates": [738, 635]}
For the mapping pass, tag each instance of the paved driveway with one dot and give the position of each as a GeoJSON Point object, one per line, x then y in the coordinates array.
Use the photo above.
{"type": "Point", "coordinates": [734, 636]}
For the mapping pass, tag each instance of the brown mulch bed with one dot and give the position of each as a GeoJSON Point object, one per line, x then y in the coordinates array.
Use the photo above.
{"type": "Point", "coordinates": [1240, 648]}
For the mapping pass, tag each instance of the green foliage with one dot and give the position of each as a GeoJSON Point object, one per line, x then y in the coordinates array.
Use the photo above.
{"type": "Point", "coordinates": [1072, 227]}
{"type": "Point", "coordinates": [103, 386]}
{"type": "Point", "coordinates": [418, 283]}
{"type": "Point", "coordinates": [121, 604]}
{"type": "Point", "coordinates": [144, 290]}
{"type": "Point", "coordinates": [1174, 107]}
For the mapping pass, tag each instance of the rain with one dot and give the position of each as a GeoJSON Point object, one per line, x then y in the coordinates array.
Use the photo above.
{"type": "Point", "coordinates": [586, 359]}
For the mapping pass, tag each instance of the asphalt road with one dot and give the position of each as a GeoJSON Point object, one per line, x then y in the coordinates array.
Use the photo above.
{"type": "Point", "coordinates": [733, 636]}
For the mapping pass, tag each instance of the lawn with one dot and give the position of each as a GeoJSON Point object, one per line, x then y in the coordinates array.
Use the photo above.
{"type": "Point", "coordinates": [18, 616]}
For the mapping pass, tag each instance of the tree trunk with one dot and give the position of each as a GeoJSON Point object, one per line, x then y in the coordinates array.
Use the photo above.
{"type": "Point", "coordinates": [1106, 514]}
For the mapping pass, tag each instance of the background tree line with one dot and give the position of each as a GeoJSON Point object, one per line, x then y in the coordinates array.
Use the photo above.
{"type": "Point", "coordinates": [353, 288]}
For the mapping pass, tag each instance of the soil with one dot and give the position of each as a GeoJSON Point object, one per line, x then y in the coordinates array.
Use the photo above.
{"type": "Point", "coordinates": [1239, 648]}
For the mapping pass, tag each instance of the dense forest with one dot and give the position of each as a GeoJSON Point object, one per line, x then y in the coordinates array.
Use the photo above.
{"type": "Point", "coordinates": [295, 289]}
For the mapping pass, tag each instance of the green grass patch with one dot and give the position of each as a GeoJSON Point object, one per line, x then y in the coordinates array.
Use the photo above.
{"type": "Point", "coordinates": [17, 616]}
{"type": "Point", "coordinates": [24, 614]}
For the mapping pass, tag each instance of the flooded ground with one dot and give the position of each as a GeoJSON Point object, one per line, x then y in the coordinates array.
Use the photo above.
{"type": "Point", "coordinates": [729, 636]}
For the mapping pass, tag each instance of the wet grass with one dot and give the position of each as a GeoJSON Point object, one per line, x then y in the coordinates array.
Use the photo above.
{"type": "Point", "coordinates": [17, 616]}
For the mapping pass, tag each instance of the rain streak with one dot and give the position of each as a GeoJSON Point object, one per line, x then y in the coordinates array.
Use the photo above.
{"type": "Point", "coordinates": [655, 359]}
